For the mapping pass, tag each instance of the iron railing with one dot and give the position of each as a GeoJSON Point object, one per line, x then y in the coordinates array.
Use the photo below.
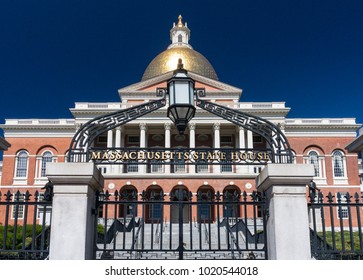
{"type": "Point", "coordinates": [24, 225]}
{"type": "Point", "coordinates": [181, 225]}
{"type": "Point", "coordinates": [336, 225]}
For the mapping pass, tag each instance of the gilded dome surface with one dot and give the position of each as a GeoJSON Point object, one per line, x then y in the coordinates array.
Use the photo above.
{"type": "Point", "coordinates": [168, 60]}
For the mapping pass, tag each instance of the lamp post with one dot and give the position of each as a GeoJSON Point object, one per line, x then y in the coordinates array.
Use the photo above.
{"type": "Point", "coordinates": [181, 98]}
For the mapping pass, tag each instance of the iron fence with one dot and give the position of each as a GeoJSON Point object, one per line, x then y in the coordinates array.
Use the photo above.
{"type": "Point", "coordinates": [24, 225]}
{"type": "Point", "coordinates": [181, 225]}
{"type": "Point", "coordinates": [336, 225]}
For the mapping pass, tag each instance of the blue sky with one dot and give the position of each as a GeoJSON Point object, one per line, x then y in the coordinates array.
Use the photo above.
{"type": "Point", "coordinates": [307, 53]}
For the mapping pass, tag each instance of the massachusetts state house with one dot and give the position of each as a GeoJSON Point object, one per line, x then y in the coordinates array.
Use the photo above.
{"type": "Point", "coordinates": [321, 142]}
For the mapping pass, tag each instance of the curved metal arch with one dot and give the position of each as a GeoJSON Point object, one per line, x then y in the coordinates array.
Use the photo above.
{"type": "Point", "coordinates": [281, 150]}
{"type": "Point", "coordinates": [88, 132]}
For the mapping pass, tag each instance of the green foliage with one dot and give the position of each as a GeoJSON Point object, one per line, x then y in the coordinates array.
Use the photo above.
{"type": "Point", "coordinates": [347, 240]}
{"type": "Point", "coordinates": [17, 236]}
{"type": "Point", "coordinates": [100, 229]}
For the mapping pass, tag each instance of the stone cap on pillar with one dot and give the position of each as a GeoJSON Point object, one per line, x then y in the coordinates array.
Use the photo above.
{"type": "Point", "coordinates": [284, 175]}
{"type": "Point", "coordinates": [75, 173]}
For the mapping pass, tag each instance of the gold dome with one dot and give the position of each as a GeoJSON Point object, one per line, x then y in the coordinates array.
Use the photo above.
{"type": "Point", "coordinates": [168, 60]}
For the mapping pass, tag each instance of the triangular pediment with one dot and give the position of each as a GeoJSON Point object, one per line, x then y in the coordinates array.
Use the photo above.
{"type": "Point", "coordinates": [150, 86]}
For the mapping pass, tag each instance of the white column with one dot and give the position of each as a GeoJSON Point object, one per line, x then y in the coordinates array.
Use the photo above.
{"type": "Point", "coordinates": [110, 168]}
{"type": "Point", "coordinates": [288, 236]}
{"type": "Point", "coordinates": [242, 145]}
{"type": "Point", "coordinates": [110, 139]}
{"type": "Point", "coordinates": [143, 144]}
{"type": "Point", "coordinates": [192, 144]}
{"type": "Point", "coordinates": [167, 127]}
{"type": "Point", "coordinates": [118, 144]}
{"type": "Point", "coordinates": [73, 223]}
{"type": "Point", "coordinates": [217, 144]}
{"type": "Point", "coordinates": [250, 146]}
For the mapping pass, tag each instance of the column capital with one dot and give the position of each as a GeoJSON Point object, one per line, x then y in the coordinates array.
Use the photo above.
{"type": "Point", "coordinates": [143, 126]}
{"type": "Point", "coordinates": [192, 126]}
{"type": "Point", "coordinates": [119, 128]}
{"type": "Point", "coordinates": [167, 126]}
{"type": "Point", "coordinates": [239, 128]}
{"type": "Point", "coordinates": [216, 126]}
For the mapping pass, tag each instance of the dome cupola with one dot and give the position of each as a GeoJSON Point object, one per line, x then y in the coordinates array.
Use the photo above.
{"type": "Point", "coordinates": [179, 49]}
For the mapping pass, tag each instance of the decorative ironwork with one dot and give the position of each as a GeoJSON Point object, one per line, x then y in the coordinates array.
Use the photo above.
{"type": "Point", "coordinates": [181, 225]}
{"type": "Point", "coordinates": [336, 225]}
{"type": "Point", "coordinates": [88, 132]}
{"type": "Point", "coordinates": [280, 147]}
{"type": "Point", "coordinates": [26, 230]}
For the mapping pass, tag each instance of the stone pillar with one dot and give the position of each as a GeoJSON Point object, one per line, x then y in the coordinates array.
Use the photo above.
{"type": "Point", "coordinates": [143, 128]}
{"type": "Point", "coordinates": [109, 146]}
{"type": "Point", "coordinates": [217, 144]}
{"type": "Point", "coordinates": [167, 127]}
{"type": "Point", "coordinates": [192, 144]}
{"type": "Point", "coordinates": [288, 235]}
{"type": "Point", "coordinates": [73, 221]}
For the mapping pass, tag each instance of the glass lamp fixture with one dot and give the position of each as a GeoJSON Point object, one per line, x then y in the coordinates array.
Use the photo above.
{"type": "Point", "coordinates": [181, 98]}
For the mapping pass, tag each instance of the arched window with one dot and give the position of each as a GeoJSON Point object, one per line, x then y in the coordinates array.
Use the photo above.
{"type": "Point", "coordinates": [22, 164]}
{"type": "Point", "coordinates": [180, 38]}
{"type": "Point", "coordinates": [338, 164]}
{"type": "Point", "coordinates": [46, 157]}
{"type": "Point", "coordinates": [314, 160]}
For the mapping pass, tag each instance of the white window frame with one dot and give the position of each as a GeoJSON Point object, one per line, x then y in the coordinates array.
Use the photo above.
{"type": "Point", "coordinates": [340, 180]}
{"type": "Point", "coordinates": [40, 177]}
{"type": "Point", "coordinates": [321, 177]}
{"type": "Point", "coordinates": [21, 180]}
{"type": "Point", "coordinates": [343, 208]}
{"type": "Point", "coordinates": [20, 209]}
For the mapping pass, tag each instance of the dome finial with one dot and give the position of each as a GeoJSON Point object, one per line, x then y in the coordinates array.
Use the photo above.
{"type": "Point", "coordinates": [180, 23]}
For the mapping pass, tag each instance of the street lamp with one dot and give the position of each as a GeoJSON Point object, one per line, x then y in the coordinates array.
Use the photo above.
{"type": "Point", "coordinates": [181, 98]}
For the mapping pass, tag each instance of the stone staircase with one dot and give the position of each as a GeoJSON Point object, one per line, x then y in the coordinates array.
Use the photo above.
{"type": "Point", "coordinates": [200, 241]}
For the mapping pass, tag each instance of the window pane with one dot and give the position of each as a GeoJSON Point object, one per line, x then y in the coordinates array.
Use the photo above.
{"type": "Point", "coordinates": [22, 164]}
{"type": "Point", "coordinates": [338, 164]}
{"type": "Point", "coordinates": [314, 160]}
{"type": "Point", "coordinates": [47, 157]}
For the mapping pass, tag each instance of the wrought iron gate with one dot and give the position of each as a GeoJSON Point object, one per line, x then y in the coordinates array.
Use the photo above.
{"type": "Point", "coordinates": [180, 225]}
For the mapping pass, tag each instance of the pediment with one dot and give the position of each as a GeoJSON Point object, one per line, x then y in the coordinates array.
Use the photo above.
{"type": "Point", "coordinates": [150, 85]}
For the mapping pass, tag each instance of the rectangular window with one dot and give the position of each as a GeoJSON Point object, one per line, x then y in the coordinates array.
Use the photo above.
{"type": "Point", "coordinates": [133, 139]}
{"type": "Point", "coordinates": [22, 167]}
{"type": "Point", "coordinates": [132, 168]}
{"type": "Point", "coordinates": [342, 211]}
{"type": "Point", "coordinates": [179, 167]}
{"type": "Point", "coordinates": [257, 138]}
{"type": "Point", "coordinates": [226, 139]}
{"type": "Point", "coordinates": [226, 167]}
{"type": "Point", "coordinates": [202, 168]}
{"type": "Point", "coordinates": [156, 168]}
{"type": "Point", "coordinates": [18, 207]}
